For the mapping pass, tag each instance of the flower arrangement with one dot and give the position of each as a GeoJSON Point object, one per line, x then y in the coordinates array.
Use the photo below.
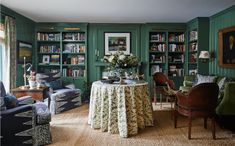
{"type": "Point", "coordinates": [120, 60]}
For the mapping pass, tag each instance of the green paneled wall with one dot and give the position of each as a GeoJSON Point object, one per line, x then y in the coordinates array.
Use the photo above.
{"type": "Point", "coordinates": [96, 42]}
{"type": "Point", "coordinates": [25, 32]}
{"type": "Point", "coordinates": [221, 20]}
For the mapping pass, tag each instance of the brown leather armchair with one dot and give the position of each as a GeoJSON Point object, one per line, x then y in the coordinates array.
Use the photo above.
{"type": "Point", "coordinates": [161, 81]}
{"type": "Point", "coordinates": [200, 101]}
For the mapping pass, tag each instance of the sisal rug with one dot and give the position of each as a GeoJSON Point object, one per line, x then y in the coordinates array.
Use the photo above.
{"type": "Point", "coordinates": [71, 129]}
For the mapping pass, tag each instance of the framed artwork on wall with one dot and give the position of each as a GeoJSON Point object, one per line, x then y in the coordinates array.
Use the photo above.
{"type": "Point", "coordinates": [226, 42]}
{"type": "Point", "coordinates": [24, 49]}
{"type": "Point", "coordinates": [117, 42]}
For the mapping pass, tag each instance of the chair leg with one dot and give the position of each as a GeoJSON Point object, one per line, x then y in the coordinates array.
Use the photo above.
{"type": "Point", "coordinates": [189, 127]}
{"type": "Point", "coordinates": [205, 123]}
{"type": "Point", "coordinates": [213, 127]}
{"type": "Point", "coordinates": [175, 118]}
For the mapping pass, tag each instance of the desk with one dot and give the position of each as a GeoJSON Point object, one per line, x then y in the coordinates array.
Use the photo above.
{"type": "Point", "coordinates": [120, 108]}
{"type": "Point", "coordinates": [37, 93]}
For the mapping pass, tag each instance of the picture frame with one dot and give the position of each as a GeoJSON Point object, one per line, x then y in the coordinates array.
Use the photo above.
{"type": "Point", "coordinates": [117, 42]}
{"type": "Point", "coordinates": [46, 59]}
{"type": "Point", "coordinates": [226, 40]}
{"type": "Point", "coordinates": [24, 49]}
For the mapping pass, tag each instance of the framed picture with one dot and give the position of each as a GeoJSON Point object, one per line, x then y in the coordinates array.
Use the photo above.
{"type": "Point", "coordinates": [117, 42]}
{"type": "Point", "coordinates": [227, 47]}
{"type": "Point", "coordinates": [46, 59]}
{"type": "Point", "coordinates": [24, 49]}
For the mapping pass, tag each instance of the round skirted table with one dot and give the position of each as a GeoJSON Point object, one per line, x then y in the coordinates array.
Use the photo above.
{"type": "Point", "coordinates": [119, 108]}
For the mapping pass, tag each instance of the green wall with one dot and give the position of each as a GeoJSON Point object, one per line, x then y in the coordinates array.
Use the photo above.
{"type": "Point", "coordinates": [25, 28]}
{"type": "Point", "coordinates": [218, 21]}
{"type": "Point", "coordinates": [96, 42]}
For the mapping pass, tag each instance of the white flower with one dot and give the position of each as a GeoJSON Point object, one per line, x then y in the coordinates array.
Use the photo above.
{"type": "Point", "coordinates": [121, 57]}
{"type": "Point", "coordinates": [110, 59]}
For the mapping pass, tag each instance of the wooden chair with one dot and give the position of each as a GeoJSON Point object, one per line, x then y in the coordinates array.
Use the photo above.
{"type": "Point", "coordinates": [200, 101]}
{"type": "Point", "coordinates": [161, 82]}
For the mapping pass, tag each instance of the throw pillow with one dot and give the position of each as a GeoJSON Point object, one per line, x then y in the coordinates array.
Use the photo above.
{"type": "Point", "coordinates": [221, 83]}
{"type": "Point", "coordinates": [205, 79]}
{"type": "Point", "coordinates": [54, 84]}
{"type": "Point", "coordinates": [10, 101]}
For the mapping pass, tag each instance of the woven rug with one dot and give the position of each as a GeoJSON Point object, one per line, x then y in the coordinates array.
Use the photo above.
{"type": "Point", "coordinates": [71, 129]}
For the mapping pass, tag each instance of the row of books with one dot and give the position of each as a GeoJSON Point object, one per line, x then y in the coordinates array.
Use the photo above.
{"type": "Point", "coordinates": [175, 71]}
{"type": "Point", "coordinates": [192, 58]}
{"type": "Point", "coordinates": [156, 68]}
{"type": "Point", "coordinates": [193, 35]}
{"type": "Point", "coordinates": [157, 59]}
{"type": "Point", "coordinates": [159, 47]}
{"type": "Point", "coordinates": [48, 36]}
{"type": "Point", "coordinates": [74, 48]}
{"type": "Point", "coordinates": [49, 49]}
{"type": "Point", "coordinates": [157, 38]}
{"type": "Point", "coordinates": [74, 36]}
{"type": "Point", "coordinates": [68, 72]}
{"type": "Point", "coordinates": [78, 59]}
{"type": "Point", "coordinates": [176, 48]}
{"type": "Point", "coordinates": [176, 58]}
{"type": "Point", "coordinates": [193, 47]}
{"type": "Point", "coordinates": [176, 38]}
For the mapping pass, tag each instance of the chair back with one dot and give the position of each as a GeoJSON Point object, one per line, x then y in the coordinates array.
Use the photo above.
{"type": "Point", "coordinates": [203, 96]}
{"type": "Point", "coordinates": [161, 79]}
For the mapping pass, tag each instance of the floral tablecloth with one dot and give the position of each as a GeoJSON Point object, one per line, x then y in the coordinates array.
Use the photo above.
{"type": "Point", "coordinates": [119, 108]}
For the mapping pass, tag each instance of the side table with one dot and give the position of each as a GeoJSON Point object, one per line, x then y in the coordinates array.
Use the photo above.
{"type": "Point", "coordinates": [36, 93]}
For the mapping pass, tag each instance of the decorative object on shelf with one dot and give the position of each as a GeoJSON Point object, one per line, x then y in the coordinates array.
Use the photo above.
{"type": "Point", "coordinates": [117, 42]}
{"type": "Point", "coordinates": [204, 56]}
{"type": "Point", "coordinates": [24, 52]}
{"type": "Point", "coordinates": [46, 59]}
{"type": "Point", "coordinates": [227, 47]}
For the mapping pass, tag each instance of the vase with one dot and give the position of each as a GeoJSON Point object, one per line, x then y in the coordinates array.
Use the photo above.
{"type": "Point", "coordinates": [32, 84]}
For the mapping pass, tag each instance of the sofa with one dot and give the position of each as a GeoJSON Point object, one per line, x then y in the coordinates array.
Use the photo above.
{"type": "Point", "coordinates": [60, 97]}
{"type": "Point", "coordinates": [23, 122]}
{"type": "Point", "coordinates": [225, 109]}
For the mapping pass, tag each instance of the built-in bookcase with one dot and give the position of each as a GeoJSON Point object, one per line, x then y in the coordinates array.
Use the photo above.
{"type": "Point", "coordinates": [63, 50]}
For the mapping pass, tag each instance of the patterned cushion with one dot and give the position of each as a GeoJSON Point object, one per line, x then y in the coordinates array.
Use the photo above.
{"type": "Point", "coordinates": [205, 79]}
{"type": "Point", "coordinates": [10, 101]}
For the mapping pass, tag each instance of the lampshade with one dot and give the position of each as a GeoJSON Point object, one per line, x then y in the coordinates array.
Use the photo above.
{"type": "Point", "coordinates": [204, 55]}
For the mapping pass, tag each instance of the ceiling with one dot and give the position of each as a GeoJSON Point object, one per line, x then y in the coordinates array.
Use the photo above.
{"type": "Point", "coordinates": [116, 11]}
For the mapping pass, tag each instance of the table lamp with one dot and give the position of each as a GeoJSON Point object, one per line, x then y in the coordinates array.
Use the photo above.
{"type": "Point", "coordinates": [204, 56]}
{"type": "Point", "coordinates": [24, 66]}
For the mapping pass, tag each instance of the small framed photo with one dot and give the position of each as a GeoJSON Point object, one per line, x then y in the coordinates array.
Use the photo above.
{"type": "Point", "coordinates": [24, 49]}
{"type": "Point", "coordinates": [46, 59]}
{"type": "Point", "coordinates": [226, 38]}
{"type": "Point", "coordinates": [117, 42]}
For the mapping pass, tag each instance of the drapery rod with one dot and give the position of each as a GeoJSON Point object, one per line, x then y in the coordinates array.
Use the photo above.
{"type": "Point", "coordinates": [2, 13]}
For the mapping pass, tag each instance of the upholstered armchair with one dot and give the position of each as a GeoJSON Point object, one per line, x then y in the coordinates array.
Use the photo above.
{"type": "Point", "coordinates": [200, 101]}
{"type": "Point", "coordinates": [25, 124]}
{"type": "Point", "coordinates": [61, 97]}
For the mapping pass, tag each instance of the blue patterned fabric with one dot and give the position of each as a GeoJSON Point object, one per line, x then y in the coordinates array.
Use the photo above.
{"type": "Point", "coordinates": [64, 99]}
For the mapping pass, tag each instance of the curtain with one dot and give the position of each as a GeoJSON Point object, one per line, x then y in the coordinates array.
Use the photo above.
{"type": "Point", "coordinates": [9, 54]}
